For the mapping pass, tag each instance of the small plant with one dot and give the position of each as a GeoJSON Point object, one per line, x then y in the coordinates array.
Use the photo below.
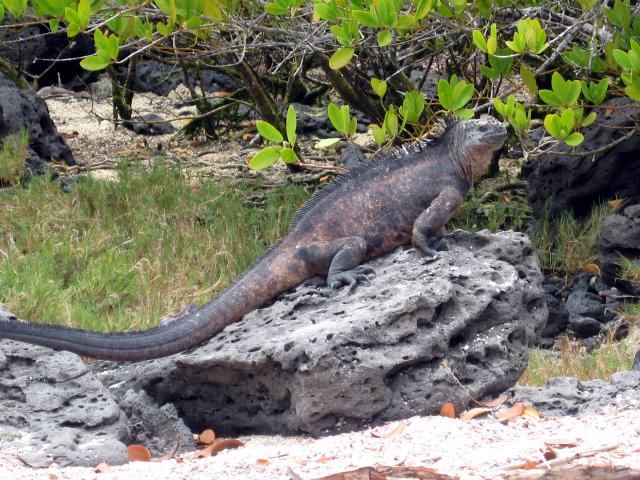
{"type": "Point", "coordinates": [530, 37]}
{"type": "Point", "coordinates": [13, 157]}
{"type": "Point", "coordinates": [514, 112]}
{"type": "Point", "coordinates": [342, 121]}
{"type": "Point", "coordinates": [630, 62]}
{"type": "Point", "coordinates": [595, 93]}
{"type": "Point", "coordinates": [454, 96]}
{"type": "Point", "coordinates": [283, 149]}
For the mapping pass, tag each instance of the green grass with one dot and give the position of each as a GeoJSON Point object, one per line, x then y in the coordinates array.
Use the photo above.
{"type": "Point", "coordinates": [119, 255]}
{"type": "Point", "coordinates": [570, 359]}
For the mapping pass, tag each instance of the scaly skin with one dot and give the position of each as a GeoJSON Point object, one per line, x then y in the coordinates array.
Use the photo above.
{"type": "Point", "coordinates": [403, 198]}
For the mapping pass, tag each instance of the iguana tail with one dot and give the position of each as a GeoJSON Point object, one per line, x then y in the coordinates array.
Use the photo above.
{"type": "Point", "coordinates": [262, 282]}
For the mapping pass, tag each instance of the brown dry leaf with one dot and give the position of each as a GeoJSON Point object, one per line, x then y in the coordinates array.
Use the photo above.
{"type": "Point", "coordinates": [102, 467]}
{"type": "Point", "coordinates": [323, 459]}
{"type": "Point", "coordinates": [397, 430]}
{"type": "Point", "coordinates": [496, 402]}
{"type": "Point", "coordinates": [422, 473]}
{"type": "Point", "coordinates": [206, 437]}
{"type": "Point", "coordinates": [550, 454]}
{"type": "Point", "coordinates": [506, 198]}
{"type": "Point", "coordinates": [262, 461]}
{"type": "Point", "coordinates": [617, 203]}
{"type": "Point", "coordinates": [515, 411]}
{"type": "Point", "coordinates": [138, 453]}
{"type": "Point", "coordinates": [222, 94]}
{"type": "Point", "coordinates": [608, 111]}
{"type": "Point", "coordinates": [473, 413]}
{"type": "Point", "coordinates": [593, 269]}
{"type": "Point", "coordinates": [448, 410]}
{"type": "Point", "coordinates": [218, 445]}
{"type": "Point", "coordinates": [531, 413]}
{"type": "Point", "coordinates": [324, 178]}
{"type": "Point", "coordinates": [365, 473]}
{"type": "Point", "coordinates": [529, 465]}
{"type": "Point", "coordinates": [561, 442]}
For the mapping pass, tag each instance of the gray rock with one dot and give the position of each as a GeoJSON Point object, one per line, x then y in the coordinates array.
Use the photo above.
{"type": "Point", "coordinates": [312, 362]}
{"type": "Point", "coordinates": [558, 315]}
{"type": "Point", "coordinates": [559, 180]}
{"type": "Point", "coordinates": [149, 124]}
{"type": "Point", "coordinates": [636, 361]}
{"type": "Point", "coordinates": [584, 326]}
{"type": "Point", "coordinates": [568, 396]}
{"type": "Point", "coordinates": [23, 109]}
{"type": "Point", "coordinates": [586, 304]}
{"type": "Point", "coordinates": [620, 239]}
{"type": "Point", "coordinates": [54, 409]}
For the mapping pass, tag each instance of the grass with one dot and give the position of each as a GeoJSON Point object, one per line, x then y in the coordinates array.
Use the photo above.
{"type": "Point", "coordinates": [567, 245]}
{"type": "Point", "coordinates": [571, 359]}
{"type": "Point", "coordinates": [13, 156]}
{"type": "Point", "coordinates": [121, 255]}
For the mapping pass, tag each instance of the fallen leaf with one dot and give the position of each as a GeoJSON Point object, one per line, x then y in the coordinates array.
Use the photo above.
{"type": "Point", "coordinates": [531, 413]}
{"type": "Point", "coordinates": [323, 459]}
{"type": "Point", "coordinates": [549, 454]}
{"type": "Point", "coordinates": [397, 430]}
{"type": "Point", "coordinates": [593, 269]}
{"type": "Point", "coordinates": [365, 473]}
{"type": "Point", "coordinates": [473, 413]}
{"type": "Point", "coordinates": [515, 411]}
{"type": "Point", "coordinates": [221, 94]}
{"type": "Point", "coordinates": [506, 198]}
{"type": "Point", "coordinates": [102, 467]}
{"type": "Point", "coordinates": [496, 402]}
{"type": "Point", "coordinates": [616, 203]}
{"type": "Point", "coordinates": [529, 465]}
{"type": "Point", "coordinates": [561, 442]}
{"type": "Point", "coordinates": [206, 437]}
{"type": "Point", "coordinates": [608, 111]}
{"type": "Point", "coordinates": [262, 461]}
{"type": "Point", "coordinates": [218, 445]}
{"type": "Point", "coordinates": [448, 410]}
{"type": "Point", "coordinates": [324, 178]}
{"type": "Point", "coordinates": [138, 453]}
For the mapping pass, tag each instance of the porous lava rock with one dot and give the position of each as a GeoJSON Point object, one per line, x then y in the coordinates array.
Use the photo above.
{"type": "Point", "coordinates": [23, 109]}
{"type": "Point", "coordinates": [620, 239]}
{"type": "Point", "coordinates": [570, 182]}
{"type": "Point", "coordinates": [55, 410]}
{"type": "Point", "coordinates": [423, 334]}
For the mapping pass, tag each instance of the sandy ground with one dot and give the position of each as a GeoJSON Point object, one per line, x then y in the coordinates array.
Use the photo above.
{"type": "Point", "coordinates": [414, 448]}
{"type": "Point", "coordinates": [420, 447]}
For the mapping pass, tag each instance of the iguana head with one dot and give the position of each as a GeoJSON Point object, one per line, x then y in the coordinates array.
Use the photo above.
{"type": "Point", "coordinates": [475, 142]}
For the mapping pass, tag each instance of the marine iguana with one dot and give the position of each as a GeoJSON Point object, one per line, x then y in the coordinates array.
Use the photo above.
{"type": "Point", "coordinates": [395, 199]}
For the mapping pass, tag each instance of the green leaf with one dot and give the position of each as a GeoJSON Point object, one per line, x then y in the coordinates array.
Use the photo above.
{"type": "Point", "coordinates": [54, 23]}
{"type": "Point", "coordinates": [423, 9]}
{"type": "Point", "coordinates": [326, 142]}
{"type": "Point", "coordinates": [633, 91]}
{"type": "Point", "coordinates": [379, 86]}
{"type": "Point", "coordinates": [269, 132]}
{"type": "Point", "coordinates": [622, 58]}
{"type": "Point", "coordinates": [343, 36]}
{"type": "Point", "coordinates": [264, 158]}
{"type": "Point", "coordinates": [84, 12]}
{"type": "Point", "coordinates": [568, 119]}
{"type": "Point", "coordinates": [405, 22]}
{"type": "Point", "coordinates": [529, 79]}
{"type": "Point", "coordinates": [340, 58]}
{"type": "Point", "coordinates": [550, 98]}
{"type": "Point", "coordinates": [384, 38]}
{"type": "Point", "coordinates": [113, 46]}
{"type": "Point", "coordinates": [552, 124]}
{"type": "Point", "coordinates": [346, 119]}
{"type": "Point", "coordinates": [276, 9]}
{"type": "Point", "coordinates": [327, 11]}
{"type": "Point", "coordinates": [336, 117]}
{"type": "Point", "coordinates": [378, 134]}
{"type": "Point", "coordinates": [391, 123]}
{"type": "Point", "coordinates": [488, 72]}
{"type": "Point", "coordinates": [492, 45]}
{"type": "Point", "coordinates": [95, 62]}
{"type": "Point", "coordinates": [288, 155]}
{"type": "Point", "coordinates": [465, 113]}
{"type": "Point", "coordinates": [479, 41]}
{"type": "Point", "coordinates": [462, 93]}
{"type": "Point", "coordinates": [72, 16]}
{"type": "Point", "coordinates": [589, 119]}
{"type": "Point", "coordinates": [445, 94]}
{"type": "Point", "coordinates": [366, 18]}
{"type": "Point", "coordinates": [163, 29]}
{"type": "Point", "coordinates": [574, 139]}
{"type": "Point", "coordinates": [292, 124]}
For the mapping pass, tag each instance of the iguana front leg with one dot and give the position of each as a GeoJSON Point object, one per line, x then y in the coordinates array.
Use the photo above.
{"type": "Point", "coordinates": [343, 257]}
{"type": "Point", "coordinates": [429, 227]}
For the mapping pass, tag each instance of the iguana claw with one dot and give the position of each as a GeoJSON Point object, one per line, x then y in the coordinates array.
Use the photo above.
{"type": "Point", "coordinates": [351, 278]}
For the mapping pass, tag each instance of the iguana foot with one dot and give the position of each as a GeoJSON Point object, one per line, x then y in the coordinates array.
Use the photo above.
{"type": "Point", "coordinates": [432, 247]}
{"type": "Point", "coordinates": [351, 278]}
